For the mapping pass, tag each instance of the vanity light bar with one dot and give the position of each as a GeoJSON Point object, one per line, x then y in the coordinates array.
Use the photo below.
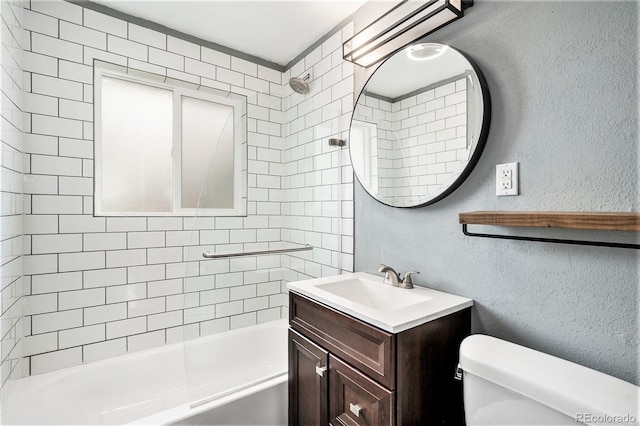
{"type": "Point", "coordinates": [405, 23]}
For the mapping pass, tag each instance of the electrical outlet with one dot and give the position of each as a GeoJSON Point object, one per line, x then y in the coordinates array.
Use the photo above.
{"type": "Point", "coordinates": [507, 179]}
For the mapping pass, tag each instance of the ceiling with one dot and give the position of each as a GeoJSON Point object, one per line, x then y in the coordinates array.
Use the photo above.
{"type": "Point", "coordinates": [277, 31]}
{"type": "Point", "coordinates": [400, 75]}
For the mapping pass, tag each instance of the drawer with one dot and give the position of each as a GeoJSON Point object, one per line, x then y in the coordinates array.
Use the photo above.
{"type": "Point", "coordinates": [355, 399]}
{"type": "Point", "coordinates": [367, 348]}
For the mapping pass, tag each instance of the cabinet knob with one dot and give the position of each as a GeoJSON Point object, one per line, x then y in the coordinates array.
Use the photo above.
{"type": "Point", "coordinates": [320, 371]}
{"type": "Point", "coordinates": [355, 409]}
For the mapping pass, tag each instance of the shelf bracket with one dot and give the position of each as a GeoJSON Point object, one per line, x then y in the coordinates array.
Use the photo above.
{"type": "Point", "coordinates": [466, 232]}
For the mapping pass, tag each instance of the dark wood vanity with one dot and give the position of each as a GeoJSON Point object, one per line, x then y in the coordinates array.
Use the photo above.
{"type": "Point", "coordinates": [343, 371]}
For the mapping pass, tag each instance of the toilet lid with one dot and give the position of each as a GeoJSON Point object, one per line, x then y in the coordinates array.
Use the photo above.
{"type": "Point", "coordinates": [559, 384]}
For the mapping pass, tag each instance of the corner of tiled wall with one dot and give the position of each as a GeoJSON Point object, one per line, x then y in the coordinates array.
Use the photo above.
{"type": "Point", "coordinates": [12, 38]}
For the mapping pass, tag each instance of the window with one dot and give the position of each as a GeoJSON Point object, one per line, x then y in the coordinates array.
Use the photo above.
{"type": "Point", "coordinates": [166, 149]}
{"type": "Point", "coordinates": [364, 151]}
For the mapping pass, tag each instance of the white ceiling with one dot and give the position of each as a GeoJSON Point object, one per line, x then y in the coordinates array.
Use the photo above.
{"type": "Point", "coordinates": [277, 31]}
{"type": "Point", "coordinates": [400, 75]}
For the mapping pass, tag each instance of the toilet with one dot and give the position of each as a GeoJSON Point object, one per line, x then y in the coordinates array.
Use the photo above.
{"type": "Point", "coordinates": [508, 384]}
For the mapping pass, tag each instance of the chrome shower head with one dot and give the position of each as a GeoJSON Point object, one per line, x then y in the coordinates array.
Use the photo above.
{"type": "Point", "coordinates": [300, 85]}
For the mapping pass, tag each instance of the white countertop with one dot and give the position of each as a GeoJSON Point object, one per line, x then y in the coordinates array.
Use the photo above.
{"type": "Point", "coordinates": [368, 298]}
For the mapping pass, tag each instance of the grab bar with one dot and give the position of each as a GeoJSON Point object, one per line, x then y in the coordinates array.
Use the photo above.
{"type": "Point", "coordinates": [209, 255]}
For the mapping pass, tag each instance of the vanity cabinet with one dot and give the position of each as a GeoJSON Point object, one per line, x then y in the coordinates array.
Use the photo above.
{"type": "Point", "coordinates": [343, 371]}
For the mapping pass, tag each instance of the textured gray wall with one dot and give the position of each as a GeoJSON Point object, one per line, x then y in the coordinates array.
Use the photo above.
{"type": "Point", "coordinates": [563, 82]}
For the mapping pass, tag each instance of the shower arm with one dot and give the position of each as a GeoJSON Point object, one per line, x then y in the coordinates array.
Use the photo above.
{"type": "Point", "coordinates": [209, 255]}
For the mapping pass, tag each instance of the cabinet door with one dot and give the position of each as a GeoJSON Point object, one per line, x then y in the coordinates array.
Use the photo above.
{"type": "Point", "coordinates": [363, 346]}
{"type": "Point", "coordinates": [308, 378]}
{"type": "Point", "coordinates": [355, 399]}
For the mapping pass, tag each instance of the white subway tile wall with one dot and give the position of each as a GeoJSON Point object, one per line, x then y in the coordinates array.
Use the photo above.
{"type": "Point", "coordinates": [318, 178]}
{"type": "Point", "coordinates": [97, 287]}
{"type": "Point", "coordinates": [12, 38]}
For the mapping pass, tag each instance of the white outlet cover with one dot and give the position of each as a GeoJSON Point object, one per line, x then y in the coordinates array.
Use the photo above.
{"type": "Point", "coordinates": [502, 177]}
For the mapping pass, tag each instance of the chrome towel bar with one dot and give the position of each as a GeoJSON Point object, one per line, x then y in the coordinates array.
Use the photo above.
{"type": "Point", "coordinates": [209, 255]}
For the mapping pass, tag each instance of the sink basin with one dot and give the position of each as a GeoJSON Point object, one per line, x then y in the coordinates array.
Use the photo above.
{"type": "Point", "coordinates": [379, 296]}
{"type": "Point", "coordinates": [369, 299]}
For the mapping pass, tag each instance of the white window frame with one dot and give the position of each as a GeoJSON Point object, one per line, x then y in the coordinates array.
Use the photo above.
{"type": "Point", "coordinates": [179, 89]}
{"type": "Point", "coordinates": [369, 131]}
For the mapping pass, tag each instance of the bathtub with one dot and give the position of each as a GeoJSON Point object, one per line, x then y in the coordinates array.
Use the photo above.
{"type": "Point", "coordinates": [233, 378]}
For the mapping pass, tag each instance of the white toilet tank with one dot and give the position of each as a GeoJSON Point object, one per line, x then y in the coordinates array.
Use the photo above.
{"type": "Point", "coordinates": [508, 384]}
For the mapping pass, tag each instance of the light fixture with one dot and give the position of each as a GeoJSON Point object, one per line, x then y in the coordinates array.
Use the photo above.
{"type": "Point", "coordinates": [406, 22]}
{"type": "Point", "coordinates": [425, 51]}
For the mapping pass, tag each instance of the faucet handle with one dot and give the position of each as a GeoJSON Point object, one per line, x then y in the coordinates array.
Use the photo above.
{"type": "Point", "coordinates": [407, 277]}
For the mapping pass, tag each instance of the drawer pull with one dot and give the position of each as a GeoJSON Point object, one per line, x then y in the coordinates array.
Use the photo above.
{"type": "Point", "coordinates": [355, 409]}
{"type": "Point", "coordinates": [320, 371]}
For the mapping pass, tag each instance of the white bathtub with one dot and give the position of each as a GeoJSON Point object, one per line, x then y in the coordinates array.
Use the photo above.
{"type": "Point", "coordinates": [243, 374]}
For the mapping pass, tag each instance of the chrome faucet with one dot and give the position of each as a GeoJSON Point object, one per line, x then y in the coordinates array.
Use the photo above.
{"type": "Point", "coordinates": [393, 278]}
{"type": "Point", "coordinates": [390, 275]}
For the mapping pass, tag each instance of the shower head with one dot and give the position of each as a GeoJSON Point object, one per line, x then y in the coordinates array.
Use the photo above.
{"type": "Point", "coordinates": [300, 85]}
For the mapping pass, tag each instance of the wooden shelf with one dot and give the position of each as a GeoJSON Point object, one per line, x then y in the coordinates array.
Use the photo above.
{"type": "Point", "coordinates": [609, 221]}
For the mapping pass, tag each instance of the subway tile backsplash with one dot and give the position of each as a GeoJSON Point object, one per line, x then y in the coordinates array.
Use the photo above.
{"type": "Point", "coordinates": [95, 287]}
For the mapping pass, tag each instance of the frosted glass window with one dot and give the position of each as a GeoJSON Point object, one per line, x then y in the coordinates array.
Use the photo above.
{"type": "Point", "coordinates": [137, 139]}
{"type": "Point", "coordinates": [207, 154]}
{"type": "Point", "coordinates": [166, 148]}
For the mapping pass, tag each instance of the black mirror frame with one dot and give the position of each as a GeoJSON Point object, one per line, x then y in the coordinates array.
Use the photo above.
{"type": "Point", "coordinates": [482, 136]}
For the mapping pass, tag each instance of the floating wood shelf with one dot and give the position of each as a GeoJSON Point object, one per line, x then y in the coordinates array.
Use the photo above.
{"type": "Point", "coordinates": [606, 221]}
{"type": "Point", "coordinates": [575, 220]}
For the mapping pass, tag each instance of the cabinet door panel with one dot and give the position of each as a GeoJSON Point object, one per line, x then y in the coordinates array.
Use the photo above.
{"type": "Point", "coordinates": [355, 399]}
{"type": "Point", "coordinates": [367, 348]}
{"type": "Point", "coordinates": [307, 382]}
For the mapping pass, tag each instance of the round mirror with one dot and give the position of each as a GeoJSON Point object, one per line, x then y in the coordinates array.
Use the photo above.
{"type": "Point", "coordinates": [419, 125]}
